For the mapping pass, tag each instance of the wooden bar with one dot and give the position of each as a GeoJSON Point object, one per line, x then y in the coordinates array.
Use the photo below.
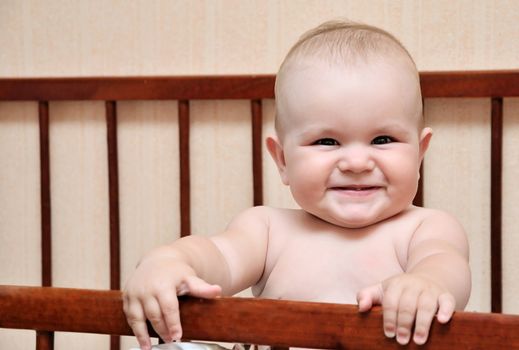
{"type": "Point", "coordinates": [185, 182]}
{"type": "Point", "coordinates": [496, 171]}
{"type": "Point", "coordinates": [418, 198]}
{"type": "Point", "coordinates": [139, 88]}
{"type": "Point", "coordinates": [257, 146]}
{"type": "Point", "coordinates": [113, 190]}
{"type": "Point", "coordinates": [46, 246]}
{"type": "Point", "coordinates": [45, 340]}
{"type": "Point", "coordinates": [434, 84]}
{"type": "Point", "coordinates": [278, 323]}
{"type": "Point", "coordinates": [470, 84]}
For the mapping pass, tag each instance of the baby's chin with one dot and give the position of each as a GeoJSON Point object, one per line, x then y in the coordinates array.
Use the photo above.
{"type": "Point", "coordinates": [349, 223]}
{"type": "Point", "coordinates": [353, 224]}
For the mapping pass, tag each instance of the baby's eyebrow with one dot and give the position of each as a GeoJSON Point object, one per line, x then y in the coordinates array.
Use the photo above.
{"type": "Point", "coordinates": [316, 130]}
{"type": "Point", "coordinates": [313, 132]}
{"type": "Point", "coordinates": [393, 128]}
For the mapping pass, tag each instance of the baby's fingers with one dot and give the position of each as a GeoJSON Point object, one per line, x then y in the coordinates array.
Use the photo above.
{"type": "Point", "coordinates": [137, 322]}
{"type": "Point", "coordinates": [407, 307]}
{"type": "Point", "coordinates": [427, 306]}
{"type": "Point", "coordinates": [153, 313]}
{"type": "Point", "coordinates": [447, 304]}
{"type": "Point", "coordinates": [171, 314]}
{"type": "Point", "coordinates": [197, 287]}
{"type": "Point", "coordinates": [390, 311]}
{"type": "Point", "coordinates": [167, 324]}
{"type": "Point", "coordinates": [369, 296]}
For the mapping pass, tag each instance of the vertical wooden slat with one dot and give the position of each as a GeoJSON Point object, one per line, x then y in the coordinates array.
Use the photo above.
{"type": "Point", "coordinates": [113, 192]}
{"type": "Point", "coordinates": [257, 159]}
{"type": "Point", "coordinates": [113, 188]}
{"type": "Point", "coordinates": [45, 340]}
{"type": "Point", "coordinates": [185, 192]}
{"type": "Point", "coordinates": [46, 246]}
{"type": "Point", "coordinates": [418, 198]}
{"type": "Point", "coordinates": [495, 203]}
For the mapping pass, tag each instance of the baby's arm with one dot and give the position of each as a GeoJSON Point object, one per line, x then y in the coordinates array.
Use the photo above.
{"type": "Point", "coordinates": [194, 265]}
{"type": "Point", "coordinates": [436, 280]}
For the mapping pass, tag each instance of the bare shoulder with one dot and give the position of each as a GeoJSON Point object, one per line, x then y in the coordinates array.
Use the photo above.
{"type": "Point", "coordinates": [435, 218]}
{"type": "Point", "coordinates": [440, 226]}
{"type": "Point", "coordinates": [259, 217]}
{"type": "Point", "coordinates": [428, 214]}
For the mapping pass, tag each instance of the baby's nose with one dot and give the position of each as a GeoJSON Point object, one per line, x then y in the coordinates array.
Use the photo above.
{"type": "Point", "coordinates": [356, 160]}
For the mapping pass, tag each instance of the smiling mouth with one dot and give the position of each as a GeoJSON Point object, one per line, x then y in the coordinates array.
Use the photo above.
{"type": "Point", "coordinates": [356, 188]}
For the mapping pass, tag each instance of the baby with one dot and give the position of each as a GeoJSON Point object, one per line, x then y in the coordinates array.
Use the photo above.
{"type": "Point", "coordinates": [349, 142]}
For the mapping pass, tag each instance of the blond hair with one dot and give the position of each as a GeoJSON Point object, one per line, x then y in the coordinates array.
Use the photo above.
{"type": "Point", "coordinates": [344, 40]}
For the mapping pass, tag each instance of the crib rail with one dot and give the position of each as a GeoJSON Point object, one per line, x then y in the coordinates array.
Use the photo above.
{"type": "Point", "coordinates": [138, 88]}
{"type": "Point", "coordinates": [245, 320]}
{"type": "Point", "coordinates": [434, 84]}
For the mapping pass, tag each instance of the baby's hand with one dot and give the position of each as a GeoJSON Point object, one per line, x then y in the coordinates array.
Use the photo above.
{"type": "Point", "coordinates": [151, 293]}
{"type": "Point", "coordinates": [406, 299]}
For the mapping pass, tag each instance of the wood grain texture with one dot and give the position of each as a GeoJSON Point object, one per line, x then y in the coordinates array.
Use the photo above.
{"type": "Point", "coordinates": [470, 83]}
{"type": "Point", "coordinates": [434, 84]}
{"type": "Point", "coordinates": [113, 190]}
{"type": "Point", "coordinates": [185, 177]}
{"type": "Point", "coordinates": [46, 232]}
{"type": "Point", "coordinates": [260, 321]}
{"type": "Point", "coordinates": [418, 198]}
{"type": "Point", "coordinates": [139, 88]}
{"type": "Point", "coordinates": [257, 154]}
{"type": "Point", "coordinates": [44, 340]}
{"type": "Point", "coordinates": [496, 179]}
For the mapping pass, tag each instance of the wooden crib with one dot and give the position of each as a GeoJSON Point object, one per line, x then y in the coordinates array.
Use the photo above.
{"type": "Point", "coordinates": [278, 323]}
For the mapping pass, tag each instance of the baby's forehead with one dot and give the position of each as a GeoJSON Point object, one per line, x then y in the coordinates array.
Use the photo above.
{"type": "Point", "coordinates": [352, 48]}
{"type": "Point", "coordinates": [318, 78]}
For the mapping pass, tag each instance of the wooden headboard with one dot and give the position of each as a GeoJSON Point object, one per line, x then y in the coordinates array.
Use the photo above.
{"type": "Point", "coordinates": [494, 85]}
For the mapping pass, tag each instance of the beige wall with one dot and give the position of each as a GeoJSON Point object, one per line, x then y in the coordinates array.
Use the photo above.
{"type": "Point", "coordinates": [86, 38]}
{"type": "Point", "coordinates": [57, 38]}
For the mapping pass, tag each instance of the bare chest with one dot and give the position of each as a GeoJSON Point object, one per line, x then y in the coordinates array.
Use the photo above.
{"type": "Point", "coordinates": [327, 267]}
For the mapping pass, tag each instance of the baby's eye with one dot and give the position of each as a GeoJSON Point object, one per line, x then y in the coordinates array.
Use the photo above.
{"type": "Point", "coordinates": [382, 140]}
{"type": "Point", "coordinates": [326, 142]}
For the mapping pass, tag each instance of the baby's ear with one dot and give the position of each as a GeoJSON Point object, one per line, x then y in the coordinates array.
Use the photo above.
{"type": "Point", "coordinates": [425, 138]}
{"type": "Point", "coordinates": [276, 151]}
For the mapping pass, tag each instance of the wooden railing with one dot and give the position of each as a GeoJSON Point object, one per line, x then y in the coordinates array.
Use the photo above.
{"type": "Point", "coordinates": [251, 321]}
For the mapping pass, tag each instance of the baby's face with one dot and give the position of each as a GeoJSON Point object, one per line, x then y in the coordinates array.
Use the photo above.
{"type": "Point", "coordinates": [352, 140]}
